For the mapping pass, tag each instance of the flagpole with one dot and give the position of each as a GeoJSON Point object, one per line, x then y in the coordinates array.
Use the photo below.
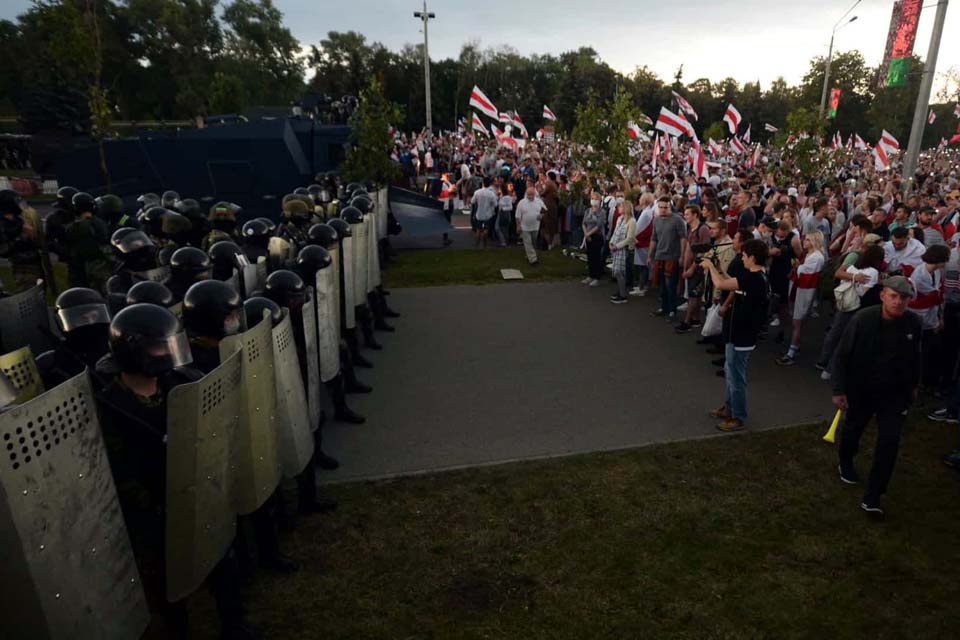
{"type": "Point", "coordinates": [923, 98]}
{"type": "Point", "coordinates": [425, 17]}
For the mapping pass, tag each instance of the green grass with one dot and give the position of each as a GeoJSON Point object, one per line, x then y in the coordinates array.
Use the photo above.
{"type": "Point", "coordinates": [434, 268]}
{"type": "Point", "coordinates": [751, 536]}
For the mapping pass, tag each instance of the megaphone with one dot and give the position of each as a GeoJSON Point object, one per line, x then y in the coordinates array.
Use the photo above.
{"type": "Point", "coordinates": [832, 432]}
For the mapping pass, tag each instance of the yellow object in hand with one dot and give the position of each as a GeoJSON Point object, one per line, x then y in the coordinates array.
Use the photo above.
{"type": "Point", "coordinates": [832, 432]}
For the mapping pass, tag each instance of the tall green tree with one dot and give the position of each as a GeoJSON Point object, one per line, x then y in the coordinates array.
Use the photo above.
{"type": "Point", "coordinates": [600, 135]}
{"type": "Point", "coordinates": [370, 140]}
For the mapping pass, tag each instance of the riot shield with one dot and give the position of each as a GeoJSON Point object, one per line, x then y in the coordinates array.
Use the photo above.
{"type": "Point", "coordinates": [328, 343]}
{"type": "Point", "coordinates": [383, 206]}
{"type": "Point", "coordinates": [234, 281]}
{"type": "Point", "coordinates": [202, 428]}
{"type": "Point", "coordinates": [294, 427]}
{"type": "Point", "coordinates": [360, 263]}
{"type": "Point", "coordinates": [258, 469]}
{"type": "Point", "coordinates": [311, 367]}
{"type": "Point", "coordinates": [21, 369]}
{"type": "Point", "coordinates": [25, 321]}
{"type": "Point", "coordinates": [338, 287]}
{"type": "Point", "coordinates": [348, 284]}
{"type": "Point", "coordinates": [248, 276]}
{"type": "Point", "coordinates": [158, 274]}
{"type": "Point", "coordinates": [281, 252]}
{"type": "Point", "coordinates": [68, 567]}
{"type": "Point", "coordinates": [261, 272]}
{"type": "Point", "coordinates": [373, 255]}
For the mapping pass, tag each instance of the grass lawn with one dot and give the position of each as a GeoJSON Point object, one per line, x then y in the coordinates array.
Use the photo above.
{"type": "Point", "coordinates": [749, 536]}
{"type": "Point", "coordinates": [434, 268]}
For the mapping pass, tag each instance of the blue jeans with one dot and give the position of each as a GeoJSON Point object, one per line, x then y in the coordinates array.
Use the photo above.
{"type": "Point", "coordinates": [668, 288]}
{"type": "Point", "coordinates": [735, 376]}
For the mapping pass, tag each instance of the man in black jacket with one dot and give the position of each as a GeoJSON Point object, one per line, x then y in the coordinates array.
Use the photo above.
{"type": "Point", "coordinates": [877, 367]}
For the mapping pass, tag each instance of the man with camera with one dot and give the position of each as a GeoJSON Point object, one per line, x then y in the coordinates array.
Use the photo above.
{"type": "Point", "coordinates": [698, 243]}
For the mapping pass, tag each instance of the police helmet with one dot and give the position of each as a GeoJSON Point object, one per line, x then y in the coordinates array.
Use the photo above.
{"type": "Point", "coordinates": [352, 215]}
{"type": "Point", "coordinates": [84, 203]}
{"type": "Point", "coordinates": [341, 226]}
{"type": "Point", "coordinates": [81, 307]}
{"type": "Point", "coordinates": [254, 307]}
{"type": "Point", "coordinates": [190, 263]}
{"type": "Point", "coordinates": [255, 229]}
{"type": "Point", "coordinates": [213, 308]}
{"type": "Point", "coordinates": [363, 203]}
{"type": "Point", "coordinates": [225, 258]}
{"type": "Point", "coordinates": [169, 199]}
{"type": "Point", "coordinates": [148, 339]}
{"type": "Point", "coordinates": [65, 197]}
{"type": "Point", "coordinates": [151, 292]}
{"type": "Point", "coordinates": [323, 235]}
{"type": "Point", "coordinates": [286, 288]}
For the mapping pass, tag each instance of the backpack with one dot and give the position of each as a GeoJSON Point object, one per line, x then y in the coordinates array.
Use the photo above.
{"type": "Point", "coordinates": [846, 296]}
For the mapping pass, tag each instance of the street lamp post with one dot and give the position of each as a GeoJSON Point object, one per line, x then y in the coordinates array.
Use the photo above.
{"type": "Point", "coordinates": [425, 16]}
{"type": "Point", "coordinates": [826, 72]}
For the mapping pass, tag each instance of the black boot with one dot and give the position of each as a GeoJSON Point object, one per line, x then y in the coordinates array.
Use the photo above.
{"type": "Point", "coordinates": [365, 320]}
{"type": "Point", "coordinates": [387, 311]}
{"type": "Point", "coordinates": [268, 543]}
{"type": "Point", "coordinates": [307, 499]}
{"type": "Point", "coordinates": [224, 584]}
{"type": "Point", "coordinates": [346, 414]}
{"type": "Point", "coordinates": [350, 381]}
{"type": "Point", "coordinates": [376, 307]}
{"type": "Point", "coordinates": [358, 360]}
{"type": "Point", "coordinates": [342, 412]}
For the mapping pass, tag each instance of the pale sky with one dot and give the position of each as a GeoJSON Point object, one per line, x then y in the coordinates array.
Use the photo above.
{"type": "Point", "coordinates": [744, 39]}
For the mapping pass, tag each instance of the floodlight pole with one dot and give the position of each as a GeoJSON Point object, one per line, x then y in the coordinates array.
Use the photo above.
{"type": "Point", "coordinates": [826, 71]}
{"type": "Point", "coordinates": [425, 16]}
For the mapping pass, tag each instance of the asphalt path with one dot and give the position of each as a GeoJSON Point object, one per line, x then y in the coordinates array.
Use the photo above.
{"type": "Point", "coordinates": [479, 375]}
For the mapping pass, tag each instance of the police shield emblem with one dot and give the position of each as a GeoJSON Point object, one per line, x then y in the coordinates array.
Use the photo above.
{"type": "Point", "coordinates": [202, 428]}
{"type": "Point", "coordinates": [294, 429]}
{"type": "Point", "coordinates": [258, 468]}
{"type": "Point", "coordinates": [68, 568]}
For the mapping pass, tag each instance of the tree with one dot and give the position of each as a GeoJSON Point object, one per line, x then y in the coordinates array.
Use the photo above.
{"type": "Point", "coordinates": [717, 131]}
{"type": "Point", "coordinates": [601, 134]}
{"type": "Point", "coordinates": [368, 157]}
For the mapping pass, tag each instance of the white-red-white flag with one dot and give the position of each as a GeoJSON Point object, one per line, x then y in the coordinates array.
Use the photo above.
{"type": "Point", "coordinates": [684, 106]}
{"type": "Point", "coordinates": [791, 139]}
{"type": "Point", "coordinates": [477, 124]}
{"type": "Point", "coordinates": [518, 123]}
{"type": "Point", "coordinates": [756, 156]}
{"type": "Point", "coordinates": [850, 141]}
{"type": "Point", "coordinates": [645, 119]}
{"type": "Point", "coordinates": [497, 133]}
{"type": "Point", "coordinates": [732, 118]}
{"type": "Point", "coordinates": [697, 161]}
{"type": "Point", "coordinates": [888, 142]}
{"type": "Point", "coordinates": [769, 127]}
{"type": "Point", "coordinates": [483, 103]}
{"type": "Point", "coordinates": [859, 142]}
{"type": "Point", "coordinates": [547, 114]}
{"type": "Point", "coordinates": [505, 118]}
{"type": "Point", "coordinates": [715, 148]}
{"type": "Point", "coordinates": [880, 159]}
{"type": "Point", "coordinates": [656, 152]}
{"type": "Point", "coordinates": [672, 124]}
{"type": "Point", "coordinates": [634, 132]}
{"type": "Point", "coordinates": [667, 151]}
{"type": "Point", "coordinates": [736, 145]}
{"type": "Point", "coordinates": [942, 145]}
{"type": "Point", "coordinates": [746, 136]}
{"type": "Point", "coordinates": [931, 117]}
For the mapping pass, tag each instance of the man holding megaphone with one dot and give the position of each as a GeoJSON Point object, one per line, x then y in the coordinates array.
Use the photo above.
{"type": "Point", "coordinates": [876, 374]}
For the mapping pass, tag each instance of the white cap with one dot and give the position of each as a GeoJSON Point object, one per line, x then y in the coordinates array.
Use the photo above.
{"type": "Point", "coordinates": [792, 191]}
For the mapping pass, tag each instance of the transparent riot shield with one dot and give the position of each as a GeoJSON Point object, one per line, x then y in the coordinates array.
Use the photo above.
{"type": "Point", "coordinates": [21, 369]}
{"type": "Point", "coordinates": [202, 430]}
{"type": "Point", "coordinates": [328, 342]}
{"type": "Point", "coordinates": [294, 428]}
{"type": "Point", "coordinates": [68, 567]}
{"type": "Point", "coordinates": [258, 467]}
{"type": "Point", "coordinates": [25, 321]}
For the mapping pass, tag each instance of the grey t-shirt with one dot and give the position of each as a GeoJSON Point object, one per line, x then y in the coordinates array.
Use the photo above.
{"type": "Point", "coordinates": [668, 232]}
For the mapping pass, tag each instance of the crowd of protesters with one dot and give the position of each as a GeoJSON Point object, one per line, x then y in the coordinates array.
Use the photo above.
{"type": "Point", "coordinates": [749, 251]}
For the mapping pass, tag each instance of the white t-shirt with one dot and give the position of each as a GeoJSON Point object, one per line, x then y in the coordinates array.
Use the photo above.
{"type": "Point", "coordinates": [529, 213]}
{"type": "Point", "coordinates": [873, 278]}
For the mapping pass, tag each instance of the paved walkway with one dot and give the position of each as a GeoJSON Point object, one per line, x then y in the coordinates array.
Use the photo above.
{"type": "Point", "coordinates": [480, 375]}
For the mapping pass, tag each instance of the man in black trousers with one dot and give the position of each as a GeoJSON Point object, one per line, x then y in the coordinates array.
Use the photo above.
{"type": "Point", "coordinates": [876, 374]}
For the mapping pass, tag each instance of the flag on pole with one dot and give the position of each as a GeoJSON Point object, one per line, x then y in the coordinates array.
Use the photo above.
{"type": "Point", "coordinates": [942, 145]}
{"type": "Point", "coordinates": [736, 145]}
{"type": "Point", "coordinates": [931, 117]}
{"type": "Point", "coordinates": [714, 147]}
{"type": "Point", "coordinates": [746, 136]}
{"type": "Point", "coordinates": [732, 118]}
{"type": "Point", "coordinates": [756, 156]}
{"type": "Point", "coordinates": [477, 125]}
{"type": "Point", "coordinates": [880, 157]}
{"type": "Point", "coordinates": [547, 114]}
{"type": "Point", "coordinates": [505, 117]}
{"type": "Point", "coordinates": [791, 139]}
{"type": "Point", "coordinates": [633, 131]}
{"type": "Point", "coordinates": [697, 161]}
{"type": "Point", "coordinates": [769, 127]}
{"type": "Point", "coordinates": [672, 124]}
{"type": "Point", "coordinates": [889, 142]}
{"type": "Point", "coordinates": [684, 106]}
{"type": "Point", "coordinates": [495, 131]}
{"type": "Point", "coordinates": [645, 119]}
{"type": "Point", "coordinates": [850, 141]}
{"type": "Point", "coordinates": [859, 142]}
{"type": "Point", "coordinates": [483, 103]}
{"type": "Point", "coordinates": [518, 123]}
{"type": "Point", "coordinates": [656, 152]}
{"type": "Point", "coordinates": [666, 148]}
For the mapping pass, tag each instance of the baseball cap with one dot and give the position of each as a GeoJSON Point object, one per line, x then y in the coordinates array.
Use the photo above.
{"type": "Point", "coordinates": [899, 284]}
{"type": "Point", "coordinates": [792, 191]}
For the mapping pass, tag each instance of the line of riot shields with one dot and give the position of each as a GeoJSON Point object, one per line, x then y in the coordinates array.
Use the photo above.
{"type": "Point", "coordinates": [149, 423]}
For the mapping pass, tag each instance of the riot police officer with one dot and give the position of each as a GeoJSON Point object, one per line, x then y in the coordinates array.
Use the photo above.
{"type": "Point", "coordinates": [222, 221]}
{"type": "Point", "coordinates": [151, 222]}
{"type": "Point", "coordinates": [19, 242]}
{"type": "Point", "coordinates": [84, 321]}
{"type": "Point", "coordinates": [354, 218]}
{"type": "Point", "coordinates": [110, 210]}
{"type": "Point", "coordinates": [255, 235]}
{"type": "Point", "coordinates": [149, 354]}
{"type": "Point", "coordinates": [87, 241]}
{"type": "Point", "coordinates": [349, 334]}
{"type": "Point", "coordinates": [225, 257]}
{"type": "Point", "coordinates": [150, 292]}
{"type": "Point", "coordinates": [188, 265]}
{"type": "Point", "coordinates": [56, 223]}
{"type": "Point", "coordinates": [199, 227]}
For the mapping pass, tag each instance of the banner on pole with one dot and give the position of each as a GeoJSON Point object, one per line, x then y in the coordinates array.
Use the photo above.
{"type": "Point", "coordinates": [900, 39]}
{"type": "Point", "coordinates": [834, 102]}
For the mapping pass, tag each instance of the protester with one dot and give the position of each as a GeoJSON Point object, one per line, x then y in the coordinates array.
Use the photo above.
{"type": "Point", "coordinates": [485, 200]}
{"type": "Point", "coordinates": [620, 246]}
{"type": "Point", "coordinates": [808, 274]}
{"type": "Point", "coordinates": [593, 239]}
{"type": "Point", "coordinates": [530, 211]}
{"type": "Point", "coordinates": [666, 246]}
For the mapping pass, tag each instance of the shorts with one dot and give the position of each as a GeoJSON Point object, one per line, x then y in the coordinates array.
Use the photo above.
{"type": "Point", "coordinates": [803, 303]}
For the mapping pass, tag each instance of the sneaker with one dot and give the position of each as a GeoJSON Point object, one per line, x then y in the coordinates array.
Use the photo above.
{"type": "Point", "coordinates": [636, 291]}
{"type": "Point", "coordinates": [952, 459]}
{"type": "Point", "coordinates": [821, 366]}
{"type": "Point", "coordinates": [618, 300]}
{"type": "Point", "coordinates": [683, 327]}
{"type": "Point", "coordinates": [671, 316]}
{"type": "Point", "coordinates": [786, 360]}
{"type": "Point", "coordinates": [720, 412]}
{"type": "Point", "coordinates": [825, 376]}
{"type": "Point", "coordinates": [594, 283]}
{"type": "Point", "coordinates": [942, 415]}
{"type": "Point", "coordinates": [633, 291]}
{"type": "Point", "coordinates": [695, 323]}
{"type": "Point", "coordinates": [682, 307]}
{"type": "Point", "coordinates": [731, 424]}
{"type": "Point", "coordinates": [775, 322]}
{"type": "Point", "coordinates": [872, 507]}
{"type": "Point", "coordinates": [850, 476]}
{"type": "Point", "coordinates": [586, 280]}
{"type": "Point", "coordinates": [658, 313]}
